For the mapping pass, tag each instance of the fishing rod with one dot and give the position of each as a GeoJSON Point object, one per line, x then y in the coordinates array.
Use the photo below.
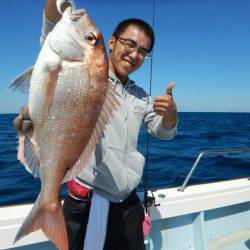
{"type": "Point", "coordinates": [146, 198]}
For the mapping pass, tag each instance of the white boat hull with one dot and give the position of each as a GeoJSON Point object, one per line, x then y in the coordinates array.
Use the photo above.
{"type": "Point", "coordinates": [204, 217]}
{"type": "Point", "coordinates": [213, 216]}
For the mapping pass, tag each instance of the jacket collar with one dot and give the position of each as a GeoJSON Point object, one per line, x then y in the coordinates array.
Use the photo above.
{"type": "Point", "coordinates": [115, 80]}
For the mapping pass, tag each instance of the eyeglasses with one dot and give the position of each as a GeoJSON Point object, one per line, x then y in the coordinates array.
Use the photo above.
{"type": "Point", "coordinates": [131, 46]}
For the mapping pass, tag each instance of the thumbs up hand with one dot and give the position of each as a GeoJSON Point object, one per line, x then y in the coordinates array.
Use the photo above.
{"type": "Point", "coordinates": [166, 107]}
{"type": "Point", "coordinates": [170, 88]}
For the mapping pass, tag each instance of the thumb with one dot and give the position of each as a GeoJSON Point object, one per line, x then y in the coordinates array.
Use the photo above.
{"type": "Point", "coordinates": [170, 88]}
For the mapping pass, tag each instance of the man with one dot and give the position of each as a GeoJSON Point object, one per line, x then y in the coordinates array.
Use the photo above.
{"type": "Point", "coordinates": [115, 168]}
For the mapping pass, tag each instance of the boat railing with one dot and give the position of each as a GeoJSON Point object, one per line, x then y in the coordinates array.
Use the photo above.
{"type": "Point", "coordinates": [208, 152]}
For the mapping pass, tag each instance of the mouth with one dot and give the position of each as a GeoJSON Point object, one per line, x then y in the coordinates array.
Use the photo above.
{"type": "Point", "coordinates": [129, 63]}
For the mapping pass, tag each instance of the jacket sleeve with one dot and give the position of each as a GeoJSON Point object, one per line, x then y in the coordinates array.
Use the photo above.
{"type": "Point", "coordinates": [153, 124]}
{"type": "Point", "coordinates": [46, 28]}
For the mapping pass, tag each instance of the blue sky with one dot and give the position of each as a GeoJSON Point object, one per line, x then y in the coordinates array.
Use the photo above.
{"type": "Point", "coordinates": [204, 46]}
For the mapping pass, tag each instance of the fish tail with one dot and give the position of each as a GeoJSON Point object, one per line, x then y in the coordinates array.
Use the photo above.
{"type": "Point", "coordinates": [48, 218]}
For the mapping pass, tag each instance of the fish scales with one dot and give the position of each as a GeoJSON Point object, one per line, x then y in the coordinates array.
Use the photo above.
{"type": "Point", "coordinates": [70, 102]}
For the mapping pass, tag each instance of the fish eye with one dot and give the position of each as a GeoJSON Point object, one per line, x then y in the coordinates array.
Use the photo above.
{"type": "Point", "coordinates": [91, 39]}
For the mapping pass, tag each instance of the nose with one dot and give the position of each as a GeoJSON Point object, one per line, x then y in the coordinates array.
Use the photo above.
{"type": "Point", "coordinates": [134, 54]}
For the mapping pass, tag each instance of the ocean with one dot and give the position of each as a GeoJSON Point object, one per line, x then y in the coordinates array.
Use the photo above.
{"type": "Point", "coordinates": [168, 161]}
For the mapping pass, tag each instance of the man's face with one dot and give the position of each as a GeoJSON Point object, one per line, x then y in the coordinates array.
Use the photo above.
{"type": "Point", "coordinates": [121, 60]}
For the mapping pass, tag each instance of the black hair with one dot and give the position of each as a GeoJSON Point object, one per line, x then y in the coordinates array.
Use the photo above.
{"type": "Point", "coordinates": [142, 25]}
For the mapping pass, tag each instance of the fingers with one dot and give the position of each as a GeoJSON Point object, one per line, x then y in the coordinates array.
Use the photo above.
{"type": "Point", "coordinates": [27, 126]}
{"type": "Point", "coordinates": [161, 104]}
{"type": "Point", "coordinates": [21, 125]}
{"type": "Point", "coordinates": [168, 95]}
{"type": "Point", "coordinates": [17, 123]}
{"type": "Point", "coordinates": [22, 122]}
{"type": "Point", "coordinates": [161, 107]}
{"type": "Point", "coordinates": [160, 111]}
{"type": "Point", "coordinates": [170, 89]}
{"type": "Point", "coordinates": [163, 101]}
{"type": "Point", "coordinates": [165, 104]}
{"type": "Point", "coordinates": [25, 113]}
{"type": "Point", "coordinates": [164, 98]}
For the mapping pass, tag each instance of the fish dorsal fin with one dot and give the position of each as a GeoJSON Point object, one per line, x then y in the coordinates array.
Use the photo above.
{"type": "Point", "coordinates": [22, 82]}
{"type": "Point", "coordinates": [110, 104]}
{"type": "Point", "coordinates": [26, 154]}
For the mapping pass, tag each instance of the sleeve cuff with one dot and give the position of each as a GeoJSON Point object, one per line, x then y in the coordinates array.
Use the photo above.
{"type": "Point", "coordinates": [47, 27]}
{"type": "Point", "coordinates": [166, 134]}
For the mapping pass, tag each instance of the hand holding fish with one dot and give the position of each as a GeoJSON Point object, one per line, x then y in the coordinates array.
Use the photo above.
{"type": "Point", "coordinates": [54, 9]}
{"type": "Point", "coordinates": [166, 107]}
{"type": "Point", "coordinates": [22, 122]}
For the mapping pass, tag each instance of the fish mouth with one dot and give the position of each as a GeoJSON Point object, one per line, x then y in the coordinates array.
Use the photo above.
{"type": "Point", "coordinates": [78, 13]}
{"type": "Point", "coordinates": [75, 14]}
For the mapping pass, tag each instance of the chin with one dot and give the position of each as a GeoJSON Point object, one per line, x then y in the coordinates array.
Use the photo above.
{"type": "Point", "coordinates": [122, 72]}
{"type": "Point", "coordinates": [126, 72]}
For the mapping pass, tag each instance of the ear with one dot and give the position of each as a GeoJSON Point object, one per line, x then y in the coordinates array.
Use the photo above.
{"type": "Point", "coordinates": [111, 42]}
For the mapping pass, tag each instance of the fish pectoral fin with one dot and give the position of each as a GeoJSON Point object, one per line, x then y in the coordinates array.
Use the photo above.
{"type": "Point", "coordinates": [50, 87]}
{"type": "Point", "coordinates": [26, 154]}
{"type": "Point", "coordinates": [110, 104]}
{"type": "Point", "coordinates": [22, 82]}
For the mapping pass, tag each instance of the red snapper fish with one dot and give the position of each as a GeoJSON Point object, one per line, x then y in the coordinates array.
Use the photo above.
{"type": "Point", "coordinates": [70, 102]}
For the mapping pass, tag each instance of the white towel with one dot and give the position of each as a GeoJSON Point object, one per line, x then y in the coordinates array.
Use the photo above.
{"type": "Point", "coordinates": [97, 224]}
